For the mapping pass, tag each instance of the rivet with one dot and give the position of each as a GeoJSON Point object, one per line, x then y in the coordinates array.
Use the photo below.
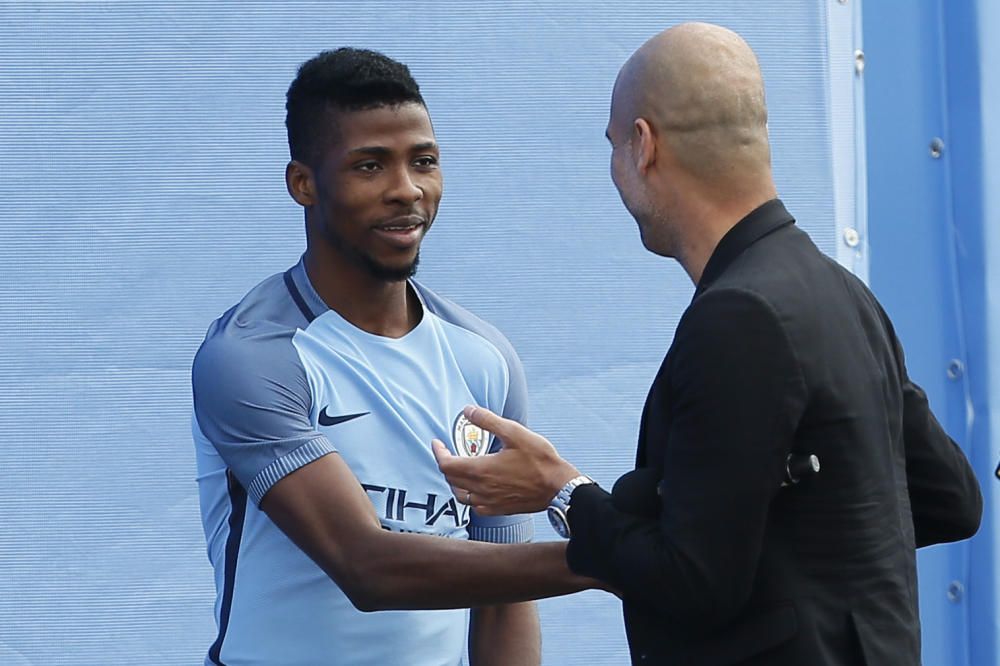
{"type": "Point", "coordinates": [955, 591]}
{"type": "Point", "coordinates": [937, 147]}
{"type": "Point", "coordinates": [851, 237]}
{"type": "Point", "coordinates": [955, 369]}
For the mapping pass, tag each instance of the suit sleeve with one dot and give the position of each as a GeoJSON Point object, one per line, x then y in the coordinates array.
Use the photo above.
{"type": "Point", "coordinates": [737, 394]}
{"type": "Point", "coordinates": [945, 497]}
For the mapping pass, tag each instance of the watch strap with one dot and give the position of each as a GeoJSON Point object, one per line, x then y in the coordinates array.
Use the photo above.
{"type": "Point", "coordinates": [558, 511]}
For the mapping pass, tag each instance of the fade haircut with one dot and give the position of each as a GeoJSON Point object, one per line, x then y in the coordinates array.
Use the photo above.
{"type": "Point", "coordinates": [347, 79]}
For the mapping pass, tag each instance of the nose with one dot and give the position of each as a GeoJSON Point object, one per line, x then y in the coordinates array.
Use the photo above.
{"type": "Point", "coordinates": [404, 189]}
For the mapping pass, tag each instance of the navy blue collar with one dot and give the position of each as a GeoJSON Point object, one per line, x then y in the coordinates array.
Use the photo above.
{"type": "Point", "coordinates": [760, 222]}
{"type": "Point", "coordinates": [301, 289]}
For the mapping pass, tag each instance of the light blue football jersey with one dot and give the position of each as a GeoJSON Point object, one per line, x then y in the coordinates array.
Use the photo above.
{"type": "Point", "coordinates": [282, 380]}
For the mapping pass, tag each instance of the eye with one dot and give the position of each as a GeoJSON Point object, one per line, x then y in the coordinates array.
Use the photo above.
{"type": "Point", "coordinates": [426, 161]}
{"type": "Point", "coordinates": [368, 167]}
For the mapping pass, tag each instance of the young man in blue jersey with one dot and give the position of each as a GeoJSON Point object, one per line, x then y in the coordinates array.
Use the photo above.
{"type": "Point", "coordinates": [316, 399]}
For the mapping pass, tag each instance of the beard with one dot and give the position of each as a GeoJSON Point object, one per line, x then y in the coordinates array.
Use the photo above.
{"type": "Point", "coordinates": [376, 269]}
{"type": "Point", "coordinates": [388, 273]}
{"type": "Point", "coordinates": [656, 228]}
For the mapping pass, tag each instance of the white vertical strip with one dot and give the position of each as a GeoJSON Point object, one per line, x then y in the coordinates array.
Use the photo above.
{"type": "Point", "coordinates": [847, 134]}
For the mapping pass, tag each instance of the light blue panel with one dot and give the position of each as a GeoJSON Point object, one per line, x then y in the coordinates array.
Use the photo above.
{"type": "Point", "coordinates": [985, 599]}
{"type": "Point", "coordinates": [971, 95]}
{"type": "Point", "coordinates": [928, 266]}
{"type": "Point", "coordinates": [142, 151]}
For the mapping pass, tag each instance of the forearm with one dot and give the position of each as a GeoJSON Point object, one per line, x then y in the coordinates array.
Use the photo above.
{"type": "Point", "coordinates": [406, 571]}
{"type": "Point", "coordinates": [505, 635]}
{"type": "Point", "coordinates": [945, 498]}
{"type": "Point", "coordinates": [702, 583]}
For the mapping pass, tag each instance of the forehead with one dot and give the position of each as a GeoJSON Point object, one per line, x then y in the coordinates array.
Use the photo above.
{"type": "Point", "coordinates": [614, 119]}
{"type": "Point", "coordinates": [395, 127]}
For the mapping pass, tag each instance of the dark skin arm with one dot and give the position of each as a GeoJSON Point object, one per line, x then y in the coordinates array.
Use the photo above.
{"type": "Point", "coordinates": [382, 570]}
{"type": "Point", "coordinates": [505, 635]}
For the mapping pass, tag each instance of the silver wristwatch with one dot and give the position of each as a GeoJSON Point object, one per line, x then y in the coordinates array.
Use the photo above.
{"type": "Point", "coordinates": [559, 506]}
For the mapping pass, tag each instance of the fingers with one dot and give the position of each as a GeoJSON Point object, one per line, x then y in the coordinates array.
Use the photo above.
{"type": "Point", "coordinates": [461, 471]}
{"type": "Point", "coordinates": [463, 474]}
{"type": "Point", "coordinates": [470, 499]}
{"type": "Point", "coordinates": [455, 468]}
{"type": "Point", "coordinates": [483, 510]}
{"type": "Point", "coordinates": [462, 495]}
{"type": "Point", "coordinates": [503, 428]}
{"type": "Point", "coordinates": [441, 452]}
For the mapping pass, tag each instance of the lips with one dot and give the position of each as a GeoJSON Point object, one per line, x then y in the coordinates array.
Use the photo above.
{"type": "Point", "coordinates": [402, 222]}
{"type": "Point", "coordinates": [402, 232]}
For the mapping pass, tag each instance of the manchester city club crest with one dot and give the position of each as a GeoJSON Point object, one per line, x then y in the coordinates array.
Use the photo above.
{"type": "Point", "coordinates": [470, 440]}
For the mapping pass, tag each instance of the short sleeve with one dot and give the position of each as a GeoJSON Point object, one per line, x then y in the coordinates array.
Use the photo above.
{"type": "Point", "coordinates": [252, 401]}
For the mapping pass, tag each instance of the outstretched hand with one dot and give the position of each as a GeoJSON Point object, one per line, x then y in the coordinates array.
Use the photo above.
{"type": "Point", "coordinates": [522, 477]}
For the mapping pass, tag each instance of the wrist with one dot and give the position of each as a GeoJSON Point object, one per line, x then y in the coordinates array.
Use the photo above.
{"type": "Point", "coordinates": [559, 507]}
{"type": "Point", "coordinates": [560, 477]}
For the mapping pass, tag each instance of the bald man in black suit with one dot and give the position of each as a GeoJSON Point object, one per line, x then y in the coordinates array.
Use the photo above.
{"type": "Point", "coordinates": [781, 353]}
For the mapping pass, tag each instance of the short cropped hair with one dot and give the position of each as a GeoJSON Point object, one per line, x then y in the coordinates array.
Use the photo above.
{"type": "Point", "coordinates": [347, 79]}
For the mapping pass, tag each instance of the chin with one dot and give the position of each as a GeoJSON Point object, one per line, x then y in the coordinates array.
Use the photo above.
{"type": "Point", "coordinates": [659, 249]}
{"type": "Point", "coordinates": [393, 272]}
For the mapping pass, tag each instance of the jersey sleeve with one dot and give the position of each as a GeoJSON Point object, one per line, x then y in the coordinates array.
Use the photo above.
{"type": "Point", "coordinates": [518, 528]}
{"type": "Point", "coordinates": [252, 401]}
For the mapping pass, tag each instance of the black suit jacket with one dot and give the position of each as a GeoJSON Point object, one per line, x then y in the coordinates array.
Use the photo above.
{"type": "Point", "coordinates": [781, 351]}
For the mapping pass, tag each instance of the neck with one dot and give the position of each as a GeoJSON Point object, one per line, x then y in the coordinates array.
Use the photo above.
{"type": "Point", "coordinates": [389, 309]}
{"type": "Point", "coordinates": [706, 222]}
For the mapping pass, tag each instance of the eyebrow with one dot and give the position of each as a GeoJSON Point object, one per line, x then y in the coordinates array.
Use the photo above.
{"type": "Point", "coordinates": [381, 151]}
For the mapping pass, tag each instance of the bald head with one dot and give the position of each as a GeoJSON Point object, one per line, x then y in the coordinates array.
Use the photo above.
{"type": "Point", "coordinates": [700, 88]}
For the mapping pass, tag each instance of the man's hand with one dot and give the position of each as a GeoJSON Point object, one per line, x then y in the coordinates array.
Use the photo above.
{"type": "Point", "coordinates": [520, 478]}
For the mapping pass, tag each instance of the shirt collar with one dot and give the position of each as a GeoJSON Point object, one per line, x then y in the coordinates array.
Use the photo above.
{"type": "Point", "coordinates": [760, 222]}
{"type": "Point", "coordinates": [315, 305]}
{"type": "Point", "coordinates": [312, 299]}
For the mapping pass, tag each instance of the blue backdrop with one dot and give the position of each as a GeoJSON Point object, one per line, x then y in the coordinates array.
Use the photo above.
{"type": "Point", "coordinates": [932, 186]}
{"type": "Point", "coordinates": [142, 152]}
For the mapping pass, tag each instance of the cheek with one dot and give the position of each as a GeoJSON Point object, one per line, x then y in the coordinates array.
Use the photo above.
{"type": "Point", "coordinates": [341, 193]}
{"type": "Point", "coordinates": [433, 187]}
{"type": "Point", "coordinates": [614, 172]}
{"type": "Point", "coordinates": [619, 176]}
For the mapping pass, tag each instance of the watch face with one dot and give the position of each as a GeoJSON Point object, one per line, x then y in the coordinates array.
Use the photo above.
{"type": "Point", "coordinates": [558, 520]}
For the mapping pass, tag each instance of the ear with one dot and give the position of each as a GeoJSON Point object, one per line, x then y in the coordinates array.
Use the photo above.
{"type": "Point", "coordinates": [644, 145]}
{"type": "Point", "coordinates": [301, 183]}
